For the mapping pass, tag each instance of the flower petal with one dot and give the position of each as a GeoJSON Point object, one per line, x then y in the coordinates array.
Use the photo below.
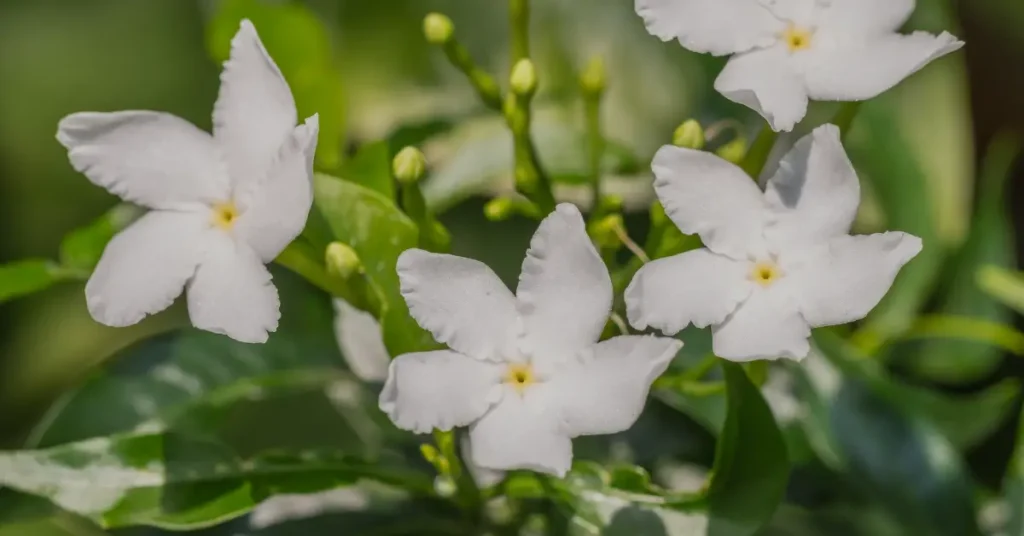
{"type": "Point", "coordinates": [717, 26]}
{"type": "Point", "coordinates": [766, 326]}
{"type": "Point", "coordinates": [697, 287]}
{"type": "Point", "coordinates": [145, 267]}
{"type": "Point", "coordinates": [863, 70]}
{"type": "Point", "coordinates": [766, 82]}
{"type": "Point", "coordinates": [460, 301]}
{"type": "Point", "coordinates": [440, 389]}
{"type": "Point", "coordinates": [706, 195]}
{"type": "Point", "coordinates": [276, 213]}
{"type": "Point", "coordinates": [255, 111]}
{"type": "Point", "coordinates": [520, 433]}
{"type": "Point", "coordinates": [565, 293]}
{"type": "Point", "coordinates": [604, 392]}
{"type": "Point", "coordinates": [232, 292]}
{"type": "Point", "coordinates": [847, 277]}
{"type": "Point", "coordinates": [815, 193]}
{"type": "Point", "coordinates": [361, 342]}
{"type": "Point", "coordinates": [483, 477]}
{"type": "Point", "coordinates": [864, 17]}
{"type": "Point", "coordinates": [152, 159]}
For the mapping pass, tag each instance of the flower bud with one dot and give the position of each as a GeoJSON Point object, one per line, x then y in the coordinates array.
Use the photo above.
{"type": "Point", "coordinates": [603, 231]}
{"type": "Point", "coordinates": [430, 453]}
{"type": "Point", "coordinates": [734, 151]}
{"type": "Point", "coordinates": [592, 80]}
{"type": "Point", "coordinates": [524, 77]}
{"type": "Point", "coordinates": [498, 209]}
{"type": "Point", "coordinates": [342, 261]}
{"type": "Point", "coordinates": [438, 28]}
{"type": "Point", "coordinates": [689, 135]}
{"type": "Point", "coordinates": [409, 165]}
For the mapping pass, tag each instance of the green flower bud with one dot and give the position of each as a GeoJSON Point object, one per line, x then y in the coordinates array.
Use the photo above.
{"type": "Point", "coordinates": [689, 135]}
{"type": "Point", "coordinates": [409, 165]}
{"type": "Point", "coordinates": [430, 453]}
{"type": "Point", "coordinates": [438, 28]}
{"type": "Point", "coordinates": [498, 209]}
{"type": "Point", "coordinates": [524, 77]}
{"type": "Point", "coordinates": [734, 151]}
{"type": "Point", "coordinates": [592, 80]}
{"type": "Point", "coordinates": [342, 261]}
{"type": "Point", "coordinates": [603, 231]}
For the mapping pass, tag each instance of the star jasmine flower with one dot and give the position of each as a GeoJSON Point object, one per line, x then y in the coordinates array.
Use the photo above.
{"type": "Point", "coordinates": [788, 51]}
{"type": "Point", "coordinates": [776, 263]}
{"type": "Point", "coordinates": [525, 372]}
{"type": "Point", "coordinates": [221, 206]}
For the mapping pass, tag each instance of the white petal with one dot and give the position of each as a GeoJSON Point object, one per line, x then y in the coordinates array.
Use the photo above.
{"type": "Point", "coordinates": [815, 193]}
{"type": "Point", "coordinates": [483, 477]}
{"type": "Point", "coordinates": [565, 293]}
{"type": "Point", "coordinates": [860, 71]}
{"type": "Point", "coordinates": [255, 111]}
{"type": "Point", "coordinates": [697, 287]}
{"type": "Point", "coordinates": [766, 326]}
{"type": "Point", "coordinates": [864, 17]}
{"type": "Point", "coordinates": [361, 342]}
{"type": "Point", "coordinates": [440, 389]}
{"type": "Point", "coordinates": [605, 390]}
{"type": "Point", "coordinates": [232, 292]}
{"type": "Point", "coordinates": [152, 159]}
{"type": "Point", "coordinates": [519, 433]}
{"type": "Point", "coordinates": [276, 212]}
{"type": "Point", "coordinates": [765, 81]}
{"type": "Point", "coordinates": [716, 26]}
{"type": "Point", "coordinates": [847, 278]}
{"type": "Point", "coordinates": [706, 195]}
{"type": "Point", "coordinates": [145, 267]}
{"type": "Point", "coordinates": [460, 301]}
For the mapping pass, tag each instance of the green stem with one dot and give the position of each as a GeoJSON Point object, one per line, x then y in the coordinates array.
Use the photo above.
{"type": "Point", "coordinates": [596, 145]}
{"type": "Point", "coordinates": [753, 163]}
{"type": "Point", "coordinates": [845, 116]}
{"type": "Point", "coordinates": [530, 178]}
{"type": "Point", "coordinates": [484, 84]}
{"type": "Point", "coordinates": [519, 13]}
{"type": "Point", "coordinates": [299, 259]}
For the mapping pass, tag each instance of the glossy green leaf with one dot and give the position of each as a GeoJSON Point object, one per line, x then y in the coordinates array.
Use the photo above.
{"type": "Point", "coordinates": [989, 243]}
{"type": "Point", "coordinates": [751, 465]}
{"type": "Point", "coordinates": [379, 232]}
{"type": "Point", "coordinates": [371, 167]}
{"type": "Point", "coordinates": [81, 249]}
{"type": "Point", "coordinates": [21, 278]}
{"type": "Point", "coordinates": [301, 46]}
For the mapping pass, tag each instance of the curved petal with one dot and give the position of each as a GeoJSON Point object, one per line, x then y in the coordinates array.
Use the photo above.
{"type": "Point", "coordinates": [276, 213]}
{"type": "Point", "coordinates": [145, 267]}
{"type": "Point", "coordinates": [440, 389]}
{"type": "Point", "coordinates": [605, 391]}
{"type": "Point", "coordinates": [460, 301]}
{"type": "Point", "coordinates": [232, 292]}
{"type": "Point", "coordinates": [483, 477]}
{"type": "Point", "coordinates": [766, 326]}
{"type": "Point", "coordinates": [861, 71]}
{"type": "Point", "coordinates": [717, 26]}
{"type": "Point", "coordinates": [864, 17]}
{"type": "Point", "coordinates": [847, 278]}
{"type": "Point", "coordinates": [521, 433]}
{"type": "Point", "coordinates": [706, 195]}
{"type": "Point", "coordinates": [815, 193]}
{"type": "Point", "coordinates": [361, 342]}
{"type": "Point", "coordinates": [565, 293]}
{"type": "Point", "coordinates": [765, 81]}
{"type": "Point", "coordinates": [697, 287]}
{"type": "Point", "coordinates": [151, 159]}
{"type": "Point", "coordinates": [254, 112]}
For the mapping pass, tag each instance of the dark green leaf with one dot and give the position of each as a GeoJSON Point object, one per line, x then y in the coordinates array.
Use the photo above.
{"type": "Point", "coordinates": [21, 278]}
{"type": "Point", "coordinates": [81, 249]}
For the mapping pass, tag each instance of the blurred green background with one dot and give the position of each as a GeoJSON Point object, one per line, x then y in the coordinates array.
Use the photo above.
{"type": "Point", "coordinates": [63, 56]}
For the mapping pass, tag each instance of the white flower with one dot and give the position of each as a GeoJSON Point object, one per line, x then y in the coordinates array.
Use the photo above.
{"type": "Point", "coordinates": [787, 51]}
{"type": "Point", "coordinates": [525, 371]}
{"type": "Point", "coordinates": [361, 342]}
{"type": "Point", "coordinates": [221, 206]}
{"type": "Point", "coordinates": [776, 263]}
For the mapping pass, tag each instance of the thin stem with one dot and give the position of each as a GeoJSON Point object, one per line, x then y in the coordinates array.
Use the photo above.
{"type": "Point", "coordinates": [484, 84]}
{"type": "Point", "coordinates": [632, 246]}
{"type": "Point", "coordinates": [530, 178]}
{"type": "Point", "coordinates": [753, 163]}
{"type": "Point", "coordinates": [702, 368]}
{"type": "Point", "coordinates": [519, 13]}
{"type": "Point", "coordinates": [616, 319]}
{"type": "Point", "coordinates": [596, 145]}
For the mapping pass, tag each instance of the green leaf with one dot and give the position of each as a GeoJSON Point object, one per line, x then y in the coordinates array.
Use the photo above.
{"type": "Point", "coordinates": [81, 249]}
{"type": "Point", "coordinates": [21, 278]}
{"type": "Point", "coordinates": [179, 482]}
{"type": "Point", "coordinates": [379, 232]}
{"type": "Point", "coordinates": [989, 243]}
{"type": "Point", "coordinates": [301, 47]}
{"type": "Point", "coordinates": [1003, 285]}
{"type": "Point", "coordinates": [751, 465]}
{"type": "Point", "coordinates": [371, 167]}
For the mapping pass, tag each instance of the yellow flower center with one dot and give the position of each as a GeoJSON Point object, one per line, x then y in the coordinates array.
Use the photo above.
{"type": "Point", "coordinates": [520, 376]}
{"type": "Point", "coordinates": [224, 215]}
{"type": "Point", "coordinates": [765, 273]}
{"type": "Point", "coordinates": [797, 38]}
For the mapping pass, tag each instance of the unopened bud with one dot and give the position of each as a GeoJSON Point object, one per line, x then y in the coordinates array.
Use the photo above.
{"type": "Point", "coordinates": [592, 80]}
{"type": "Point", "coordinates": [734, 151]}
{"type": "Point", "coordinates": [438, 28]}
{"type": "Point", "coordinates": [430, 453]}
{"type": "Point", "coordinates": [409, 165]}
{"type": "Point", "coordinates": [498, 209]}
{"type": "Point", "coordinates": [605, 231]}
{"type": "Point", "coordinates": [689, 135]}
{"type": "Point", "coordinates": [342, 261]}
{"type": "Point", "coordinates": [524, 77]}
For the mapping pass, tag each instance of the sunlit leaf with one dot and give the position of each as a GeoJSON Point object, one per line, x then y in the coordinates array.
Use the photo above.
{"type": "Point", "coordinates": [21, 278]}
